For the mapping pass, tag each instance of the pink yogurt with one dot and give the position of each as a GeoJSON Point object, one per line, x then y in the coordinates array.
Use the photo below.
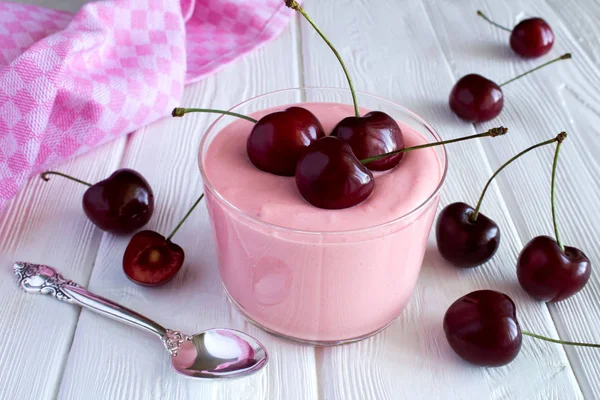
{"type": "Point", "coordinates": [324, 276]}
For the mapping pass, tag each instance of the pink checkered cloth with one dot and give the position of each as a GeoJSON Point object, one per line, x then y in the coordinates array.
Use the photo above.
{"type": "Point", "coordinates": [70, 82]}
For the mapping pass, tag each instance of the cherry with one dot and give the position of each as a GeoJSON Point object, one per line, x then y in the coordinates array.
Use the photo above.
{"type": "Point", "coordinates": [550, 273]}
{"type": "Point", "coordinates": [475, 98]}
{"type": "Point", "coordinates": [465, 237]}
{"type": "Point", "coordinates": [151, 259]}
{"type": "Point", "coordinates": [464, 243]}
{"type": "Point", "coordinates": [546, 269]}
{"type": "Point", "coordinates": [122, 203]}
{"type": "Point", "coordinates": [277, 140]}
{"type": "Point", "coordinates": [329, 175]}
{"type": "Point", "coordinates": [371, 135]}
{"type": "Point", "coordinates": [482, 328]}
{"type": "Point", "coordinates": [530, 38]}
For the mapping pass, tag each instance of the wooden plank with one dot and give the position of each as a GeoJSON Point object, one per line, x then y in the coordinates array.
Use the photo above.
{"type": "Point", "coordinates": [45, 223]}
{"type": "Point", "coordinates": [123, 363]}
{"type": "Point", "coordinates": [391, 50]}
{"type": "Point", "coordinates": [562, 97]}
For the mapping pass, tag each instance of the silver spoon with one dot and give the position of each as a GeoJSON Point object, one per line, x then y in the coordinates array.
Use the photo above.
{"type": "Point", "coordinates": [212, 354]}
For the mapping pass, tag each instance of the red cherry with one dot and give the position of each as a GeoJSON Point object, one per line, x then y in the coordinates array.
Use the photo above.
{"type": "Point", "coordinates": [277, 140]}
{"type": "Point", "coordinates": [329, 175]}
{"type": "Point", "coordinates": [482, 328]}
{"type": "Point", "coordinates": [532, 37]}
{"type": "Point", "coordinates": [373, 134]}
{"type": "Point", "coordinates": [550, 274]}
{"type": "Point", "coordinates": [476, 99]}
{"type": "Point", "coordinates": [151, 260]}
{"type": "Point", "coordinates": [121, 203]}
{"type": "Point", "coordinates": [547, 270]}
{"type": "Point", "coordinates": [463, 242]}
{"type": "Point", "coordinates": [467, 238]}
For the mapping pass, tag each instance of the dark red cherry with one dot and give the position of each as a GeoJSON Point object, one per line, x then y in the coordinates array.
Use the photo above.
{"type": "Point", "coordinates": [549, 274]}
{"type": "Point", "coordinates": [151, 260]}
{"type": "Point", "coordinates": [476, 99]}
{"type": "Point", "coordinates": [373, 134]}
{"type": "Point", "coordinates": [277, 140]}
{"type": "Point", "coordinates": [122, 203]}
{"type": "Point", "coordinates": [482, 328]}
{"type": "Point", "coordinates": [464, 243]}
{"type": "Point", "coordinates": [329, 175]}
{"type": "Point", "coordinates": [532, 37]}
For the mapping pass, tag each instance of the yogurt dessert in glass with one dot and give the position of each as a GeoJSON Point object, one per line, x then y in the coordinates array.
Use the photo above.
{"type": "Point", "coordinates": [310, 274]}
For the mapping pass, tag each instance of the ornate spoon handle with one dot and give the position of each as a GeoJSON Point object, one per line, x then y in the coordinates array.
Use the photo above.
{"type": "Point", "coordinates": [36, 278]}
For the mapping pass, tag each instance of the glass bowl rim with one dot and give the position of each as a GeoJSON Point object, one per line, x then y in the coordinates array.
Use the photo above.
{"type": "Point", "coordinates": [258, 221]}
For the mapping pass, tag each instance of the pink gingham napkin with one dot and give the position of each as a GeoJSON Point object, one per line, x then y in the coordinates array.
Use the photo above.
{"type": "Point", "coordinates": [69, 82]}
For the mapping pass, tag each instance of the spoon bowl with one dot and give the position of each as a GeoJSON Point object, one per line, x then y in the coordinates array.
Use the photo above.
{"type": "Point", "coordinates": [219, 353]}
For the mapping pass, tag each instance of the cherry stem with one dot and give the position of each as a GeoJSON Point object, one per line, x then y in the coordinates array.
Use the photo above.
{"type": "Point", "coordinates": [180, 112]}
{"type": "Point", "coordinates": [184, 218]}
{"type": "Point", "coordinates": [475, 214]}
{"type": "Point", "coordinates": [293, 4]}
{"type": "Point", "coordinates": [566, 56]}
{"type": "Point", "coordinates": [482, 15]}
{"type": "Point", "coordinates": [547, 339]}
{"type": "Point", "coordinates": [44, 176]}
{"type": "Point", "coordinates": [492, 133]}
{"type": "Point", "coordinates": [552, 186]}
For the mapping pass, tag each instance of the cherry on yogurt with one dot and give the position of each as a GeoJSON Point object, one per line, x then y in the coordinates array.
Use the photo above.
{"type": "Point", "coordinates": [278, 139]}
{"type": "Point", "coordinates": [329, 175]}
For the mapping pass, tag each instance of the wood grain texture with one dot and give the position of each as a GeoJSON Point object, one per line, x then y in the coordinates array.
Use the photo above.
{"type": "Point", "coordinates": [562, 97]}
{"type": "Point", "coordinates": [123, 363]}
{"type": "Point", "coordinates": [45, 223]}
{"type": "Point", "coordinates": [411, 359]}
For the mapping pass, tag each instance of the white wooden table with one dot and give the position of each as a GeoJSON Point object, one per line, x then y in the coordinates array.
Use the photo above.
{"type": "Point", "coordinates": [410, 52]}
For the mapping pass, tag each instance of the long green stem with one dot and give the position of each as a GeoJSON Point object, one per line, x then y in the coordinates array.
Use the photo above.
{"type": "Point", "coordinates": [293, 4]}
{"type": "Point", "coordinates": [184, 218]}
{"type": "Point", "coordinates": [44, 176]}
{"type": "Point", "coordinates": [492, 133]}
{"type": "Point", "coordinates": [475, 214]}
{"type": "Point", "coordinates": [180, 112]}
{"type": "Point", "coordinates": [482, 15]}
{"type": "Point", "coordinates": [547, 339]}
{"type": "Point", "coordinates": [563, 57]}
{"type": "Point", "coordinates": [552, 186]}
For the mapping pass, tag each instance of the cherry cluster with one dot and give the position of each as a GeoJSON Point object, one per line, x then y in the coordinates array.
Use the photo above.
{"type": "Point", "coordinates": [475, 98]}
{"type": "Point", "coordinates": [482, 326]}
{"type": "Point", "coordinates": [121, 204]}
